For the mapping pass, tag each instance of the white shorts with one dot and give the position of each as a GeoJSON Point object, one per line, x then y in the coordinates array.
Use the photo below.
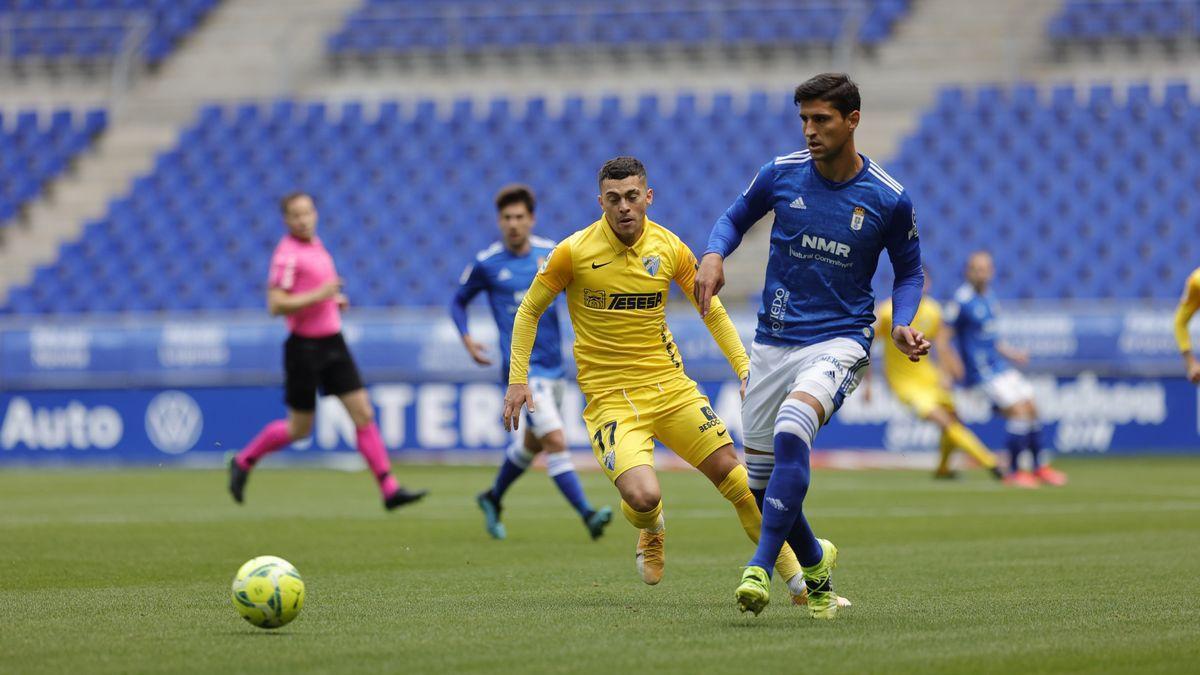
{"type": "Point", "coordinates": [1007, 389]}
{"type": "Point", "coordinates": [548, 401]}
{"type": "Point", "coordinates": [828, 371]}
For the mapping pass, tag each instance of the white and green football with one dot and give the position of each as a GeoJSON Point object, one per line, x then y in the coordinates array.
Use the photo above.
{"type": "Point", "coordinates": [268, 591]}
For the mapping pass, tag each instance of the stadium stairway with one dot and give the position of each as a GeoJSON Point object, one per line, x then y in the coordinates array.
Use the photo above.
{"type": "Point", "coordinates": [212, 64]}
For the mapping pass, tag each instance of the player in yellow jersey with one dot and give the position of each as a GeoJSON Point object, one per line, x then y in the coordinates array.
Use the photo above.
{"type": "Point", "coordinates": [922, 386]}
{"type": "Point", "coordinates": [1188, 304]}
{"type": "Point", "coordinates": [616, 274]}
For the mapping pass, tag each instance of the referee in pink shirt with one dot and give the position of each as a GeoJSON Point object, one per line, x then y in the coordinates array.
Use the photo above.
{"type": "Point", "coordinates": [304, 287]}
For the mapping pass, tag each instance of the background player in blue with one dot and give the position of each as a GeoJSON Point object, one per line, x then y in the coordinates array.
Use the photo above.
{"type": "Point", "coordinates": [987, 363]}
{"type": "Point", "coordinates": [835, 212]}
{"type": "Point", "coordinates": [504, 270]}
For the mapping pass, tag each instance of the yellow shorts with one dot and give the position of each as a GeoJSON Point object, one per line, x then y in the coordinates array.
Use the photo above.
{"type": "Point", "coordinates": [623, 424]}
{"type": "Point", "coordinates": [924, 398]}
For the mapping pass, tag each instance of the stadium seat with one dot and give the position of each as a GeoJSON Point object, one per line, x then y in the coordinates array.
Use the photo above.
{"type": "Point", "coordinates": [96, 29]}
{"type": "Point", "coordinates": [1070, 190]}
{"type": "Point", "coordinates": [1091, 21]}
{"type": "Point", "coordinates": [388, 27]}
{"type": "Point", "coordinates": [405, 191]}
{"type": "Point", "coordinates": [36, 147]}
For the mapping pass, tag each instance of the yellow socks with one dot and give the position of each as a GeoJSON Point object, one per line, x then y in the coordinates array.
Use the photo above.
{"type": "Point", "coordinates": [961, 437]}
{"type": "Point", "coordinates": [945, 449]}
{"type": "Point", "coordinates": [643, 520]}
{"type": "Point", "coordinates": [736, 489]}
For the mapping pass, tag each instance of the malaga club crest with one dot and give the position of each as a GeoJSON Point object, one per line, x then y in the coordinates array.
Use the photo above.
{"type": "Point", "coordinates": [652, 263]}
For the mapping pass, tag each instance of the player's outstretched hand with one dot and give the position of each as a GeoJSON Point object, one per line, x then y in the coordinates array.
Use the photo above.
{"type": "Point", "coordinates": [477, 350]}
{"type": "Point", "coordinates": [518, 395]}
{"type": "Point", "coordinates": [910, 341]}
{"type": "Point", "coordinates": [342, 301]}
{"type": "Point", "coordinates": [710, 279]}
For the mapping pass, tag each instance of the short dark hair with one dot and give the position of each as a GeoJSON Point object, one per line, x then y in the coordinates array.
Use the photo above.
{"type": "Point", "coordinates": [621, 167]}
{"type": "Point", "coordinates": [835, 88]}
{"type": "Point", "coordinates": [290, 197]}
{"type": "Point", "coordinates": [515, 193]}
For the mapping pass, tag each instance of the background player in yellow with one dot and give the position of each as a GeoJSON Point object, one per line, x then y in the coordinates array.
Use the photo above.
{"type": "Point", "coordinates": [1188, 304]}
{"type": "Point", "coordinates": [616, 274]}
{"type": "Point", "coordinates": [924, 387]}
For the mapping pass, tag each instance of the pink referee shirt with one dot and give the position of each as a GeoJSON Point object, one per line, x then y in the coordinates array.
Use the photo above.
{"type": "Point", "coordinates": [299, 266]}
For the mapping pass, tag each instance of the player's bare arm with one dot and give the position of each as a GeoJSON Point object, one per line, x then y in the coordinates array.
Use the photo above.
{"type": "Point", "coordinates": [1020, 357]}
{"type": "Point", "coordinates": [283, 303]}
{"type": "Point", "coordinates": [477, 350]}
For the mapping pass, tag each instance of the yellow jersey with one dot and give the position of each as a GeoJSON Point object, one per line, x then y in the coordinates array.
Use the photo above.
{"type": "Point", "coordinates": [1188, 304]}
{"type": "Point", "coordinates": [898, 370]}
{"type": "Point", "coordinates": [617, 296]}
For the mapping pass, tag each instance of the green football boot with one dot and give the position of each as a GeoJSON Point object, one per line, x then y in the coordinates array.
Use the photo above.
{"type": "Point", "coordinates": [755, 590]}
{"type": "Point", "coordinates": [822, 601]}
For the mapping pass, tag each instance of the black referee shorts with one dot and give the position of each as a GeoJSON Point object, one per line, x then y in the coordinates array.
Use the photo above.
{"type": "Point", "coordinates": [321, 363]}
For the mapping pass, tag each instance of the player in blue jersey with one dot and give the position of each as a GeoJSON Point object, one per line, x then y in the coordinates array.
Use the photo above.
{"type": "Point", "coordinates": [988, 364]}
{"type": "Point", "coordinates": [835, 212]}
{"type": "Point", "coordinates": [504, 271]}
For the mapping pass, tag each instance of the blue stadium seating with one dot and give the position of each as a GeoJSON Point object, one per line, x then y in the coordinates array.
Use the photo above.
{"type": "Point", "coordinates": [1078, 194]}
{"type": "Point", "coordinates": [402, 26]}
{"type": "Point", "coordinates": [34, 148]}
{"type": "Point", "coordinates": [93, 29]}
{"type": "Point", "coordinates": [405, 193]}
{"type": "Point", "coordinates": [1073, 199]}
{"type": "Point", "coordinates": [1092, 20]}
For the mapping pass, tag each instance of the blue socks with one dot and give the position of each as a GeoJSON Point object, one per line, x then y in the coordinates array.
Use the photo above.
{"type": "Point", "coordinates": [1034, 443]}
{"type": "Point", "coordinates": [560, 467]}
{"type": "Point", "coordinates": [783, 516]}
{"type": "Point", "coordinates": [562, 470]}
{"type": "Point", "coordinates": [1024, 435]}
{"type": "Point", "coordinates": [516, 460]}
{"type": "Point", "coordinates": [1017, 439]}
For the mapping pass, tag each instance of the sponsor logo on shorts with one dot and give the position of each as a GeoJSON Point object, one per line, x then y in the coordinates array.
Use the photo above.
{"type": "Point", "coordinates": [711, 416]}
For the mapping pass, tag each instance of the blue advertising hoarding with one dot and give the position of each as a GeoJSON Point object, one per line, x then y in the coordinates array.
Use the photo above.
{"type": "Point", "coordinates": [1085, 414]}
{"type": "Point", "coordinates": [141, 390]}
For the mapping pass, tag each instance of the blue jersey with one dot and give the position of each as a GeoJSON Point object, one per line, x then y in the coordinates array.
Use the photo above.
{"type": "Point", "coordinates": [506, 278]}
{"type": "Point", "coordinates": [973, 318]}
{"type": "Point", "coordinates": [825, 246]}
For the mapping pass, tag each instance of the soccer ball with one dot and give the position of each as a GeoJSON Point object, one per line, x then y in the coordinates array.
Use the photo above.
{"type": "Point", "coordinates": [268, 592]}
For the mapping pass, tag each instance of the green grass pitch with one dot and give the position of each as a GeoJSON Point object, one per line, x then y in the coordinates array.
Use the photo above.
{"type": "Point", "coordinates": [129, 571]}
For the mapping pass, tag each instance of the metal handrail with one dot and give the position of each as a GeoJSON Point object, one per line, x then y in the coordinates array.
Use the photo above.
{"type": "Point", "coordinates": [125, 63]}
